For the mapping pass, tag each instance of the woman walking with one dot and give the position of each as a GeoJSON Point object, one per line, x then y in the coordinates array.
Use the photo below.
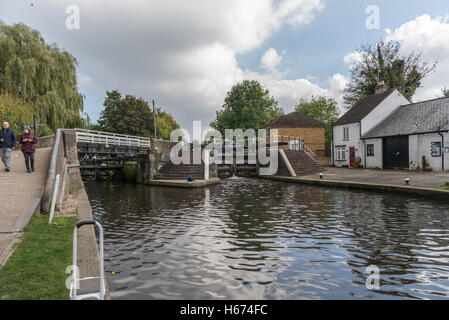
{"type": "Point", "coordinates": [28, 142]}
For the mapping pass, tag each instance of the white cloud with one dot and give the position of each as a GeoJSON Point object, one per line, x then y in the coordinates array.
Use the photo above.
{"type": "Point", "coordinates": [270, 59]}
{"type": "Point", "coordinates": [352, 58]}
{"type": "Point", "coordinates": [289, 92]}
{"type": "Point", "coordinates": [182, 53]}
{"type": "Point", "coordinates": [298, 12]}
{"type": "Point", "coordinates": [431, 37]}
{"type": "Point", "coordinates": [84, 81]}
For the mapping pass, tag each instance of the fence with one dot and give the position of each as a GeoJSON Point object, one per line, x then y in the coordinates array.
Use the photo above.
{"type": "Point", "coordinates": [114, 139]}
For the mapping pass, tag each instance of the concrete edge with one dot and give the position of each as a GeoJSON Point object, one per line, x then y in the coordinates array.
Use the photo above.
{"type": "Point", "coordinates": [51, 173]}
{"type": "Point", "coordinates": [91, 262]}
{"type": "Point", "coordinates": [33, 206]}
{"type": "Point", "coordinates": [440, 194]}
{"type": "Point", "coordinates": [184, 184]}
{"type": "Point", "coordinates": [9, 250]}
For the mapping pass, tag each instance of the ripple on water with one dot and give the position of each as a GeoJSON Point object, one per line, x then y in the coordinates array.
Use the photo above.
{"type": "Point", "coordinates": [257, 239]}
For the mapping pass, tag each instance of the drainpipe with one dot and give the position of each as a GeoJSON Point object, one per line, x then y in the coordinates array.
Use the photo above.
{"type": "Point", "coordinates": [364, 153]}
{"type": "Point", "coordinates": [442, 146]}
{"type": "Point", "coordinates": [332, 146]}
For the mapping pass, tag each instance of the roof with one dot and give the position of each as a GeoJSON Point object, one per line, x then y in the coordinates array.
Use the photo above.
{"type": "Point", "coordinates": [295, 119]}
{"type": "Point", "coordinates": [422, 117]}
{"type": "Point", "coordinates": [362, 108]}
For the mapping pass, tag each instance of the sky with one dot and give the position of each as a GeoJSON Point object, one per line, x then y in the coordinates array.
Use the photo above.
{"type": "Point", "coordinates": [187, 55]}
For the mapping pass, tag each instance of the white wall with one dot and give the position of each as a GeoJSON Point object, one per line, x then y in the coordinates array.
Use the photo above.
{"type": "Point", "coordinates": [420, 145]}
{"type": "Point", "coordinates": [383, 110]}
{"type": "Point", "coordinates": [354, 141]}
{"type": "Point", "coordinates": [378, 114]}
{"type": "Point", "coordinates": [375, 162]}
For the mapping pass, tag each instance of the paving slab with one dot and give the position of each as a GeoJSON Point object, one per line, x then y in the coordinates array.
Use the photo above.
{"type": "Point", "coordinates": [393, 177]}
{"type": "Point", "coordinates": [20, 194]}
{"type": "Point", "coordinates": [421, 183]}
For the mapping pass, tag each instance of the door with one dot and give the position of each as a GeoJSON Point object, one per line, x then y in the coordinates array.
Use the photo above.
{"type": "Point", "coordinates": [395, 152]}
{"type": "Point", "coordinates": [351, 156]}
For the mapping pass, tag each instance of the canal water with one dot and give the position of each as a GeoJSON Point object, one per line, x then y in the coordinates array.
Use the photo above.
{"type": "Point", "coordinates": [259, 239]}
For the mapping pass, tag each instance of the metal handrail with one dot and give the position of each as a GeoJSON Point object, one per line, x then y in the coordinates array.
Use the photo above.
{"type": "Point", "coordinates": [310, 153]}
{"type": "Point", "coordinates": [298, 145]}
{"type": "Point", "coordinates": [108, 138]}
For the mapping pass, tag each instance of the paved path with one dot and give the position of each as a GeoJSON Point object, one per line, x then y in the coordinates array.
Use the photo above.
{"type": "Point", "coordinates": [392, 177]}
{"type": "Point", "coordinates": [19, 191]}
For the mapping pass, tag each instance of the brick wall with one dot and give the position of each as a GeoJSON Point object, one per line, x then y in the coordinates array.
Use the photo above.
{"type": "Point", "coordinates": [314, 137]}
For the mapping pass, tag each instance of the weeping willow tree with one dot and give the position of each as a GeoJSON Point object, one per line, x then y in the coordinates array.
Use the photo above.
{"type": "Point", "coordinates": [40, 74]}
{"type": "Point", "coordinates": [15, 111]}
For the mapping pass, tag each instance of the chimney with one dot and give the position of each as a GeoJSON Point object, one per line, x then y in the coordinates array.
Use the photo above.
{"type": "Point", "coordinates": [381, 87]}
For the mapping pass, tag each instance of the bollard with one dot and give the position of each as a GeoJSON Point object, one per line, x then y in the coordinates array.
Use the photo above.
{"type": "Point", "coordinates": [407, 181]}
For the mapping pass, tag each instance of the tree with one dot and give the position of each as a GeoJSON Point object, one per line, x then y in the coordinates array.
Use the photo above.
{"type": "Point", "coordinates": [247, 106]}
{"type": "Point", "coordinates": [323, 109]}
{"type": "Point", "coordinates": [40, 74]}
{"type": "Point", "coordinates": [133, 116]}
{"type": "Point", "coordinates": [445, 92]}
{"type": "Point", "coordinates": [165, 124]}
{"type": "Point", "coordinates": [129, 115]}
{"type": "Point", "coordinates": [383, 61]}
{"type": "Point", "coordinates": [14, 111]}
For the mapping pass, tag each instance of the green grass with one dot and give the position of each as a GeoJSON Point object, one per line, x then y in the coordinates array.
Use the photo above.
{"type": "Point", "coordinates": [443, 187]}
{"type": "Point", "coordinates": [36, 270]}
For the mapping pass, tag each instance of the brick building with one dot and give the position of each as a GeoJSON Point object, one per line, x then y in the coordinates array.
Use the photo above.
{"type": "Point", "coordinates": [306, 129]}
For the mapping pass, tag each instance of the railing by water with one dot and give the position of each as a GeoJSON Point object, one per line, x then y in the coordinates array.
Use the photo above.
{"type": "Point", "coordinates": [297, 144]}
{"type": "Point", "coordinates": [114, 139]}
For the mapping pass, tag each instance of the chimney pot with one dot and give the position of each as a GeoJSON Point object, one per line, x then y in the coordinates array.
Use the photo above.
{"type": "Point", "coordinates": [381, 87]}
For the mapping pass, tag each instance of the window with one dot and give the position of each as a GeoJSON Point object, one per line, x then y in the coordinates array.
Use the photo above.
{"type": "Point", "coordinates": [436, 149]}
{"type": "Point", "coordinates": [370, 150]}
{"type": "Point", "coordinates": [346, 133]}
{"type": "Point", "coordinates": [340, 153]}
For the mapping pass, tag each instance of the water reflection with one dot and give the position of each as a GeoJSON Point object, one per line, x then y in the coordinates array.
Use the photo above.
{"type": "Point", "coordinates": [256, 239]}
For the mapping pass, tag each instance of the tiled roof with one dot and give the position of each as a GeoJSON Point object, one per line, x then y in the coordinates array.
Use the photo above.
{"type": "Point", "coordinates": [421, 117]}
{"type": "Point", "coordinates": [295, 119]}
{"type": "Point", "coordinates": [362, 108]}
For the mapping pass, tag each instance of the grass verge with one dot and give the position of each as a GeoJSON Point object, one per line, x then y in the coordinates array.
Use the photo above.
{"type": "Point", "coordinates": [444, 187]}
{"type": "Point", "coordinates": [36, 269]}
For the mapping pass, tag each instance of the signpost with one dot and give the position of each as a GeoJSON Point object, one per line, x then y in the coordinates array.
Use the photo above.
{"type": "Point", "coordinates": [31, 127]}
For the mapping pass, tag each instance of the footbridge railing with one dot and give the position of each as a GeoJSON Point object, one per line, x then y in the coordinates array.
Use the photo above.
{"type": "Point", "coordinates": [113, 139]}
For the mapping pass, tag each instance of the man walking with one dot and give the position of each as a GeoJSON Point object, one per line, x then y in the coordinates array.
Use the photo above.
{"type": "Point", "coordinates": [8, 141]}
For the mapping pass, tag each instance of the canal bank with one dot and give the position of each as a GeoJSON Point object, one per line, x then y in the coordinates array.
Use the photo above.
{"type": "Point", "coordinates": [71, 194]}
{"type": "Point", "coordinates": [427, 184]}
{"type": "Point", "coordinates": [184, 183]}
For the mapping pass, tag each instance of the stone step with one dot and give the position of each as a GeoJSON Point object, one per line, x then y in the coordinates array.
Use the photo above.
{"type": "Point", "coordinates": [182, 171]}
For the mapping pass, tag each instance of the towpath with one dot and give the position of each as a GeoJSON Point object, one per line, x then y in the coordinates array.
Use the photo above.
{"type": "Point", "coordinates": [20, 194]}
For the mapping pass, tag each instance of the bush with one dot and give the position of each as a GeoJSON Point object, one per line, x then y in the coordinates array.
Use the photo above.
{"type": "Point", "coordinates": [158, 176]}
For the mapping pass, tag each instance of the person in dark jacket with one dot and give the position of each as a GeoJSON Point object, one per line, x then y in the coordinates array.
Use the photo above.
{"type": "Point", "coordinates": [28, 142]}
{"type": "Point", "coordinates": [8, 142]}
